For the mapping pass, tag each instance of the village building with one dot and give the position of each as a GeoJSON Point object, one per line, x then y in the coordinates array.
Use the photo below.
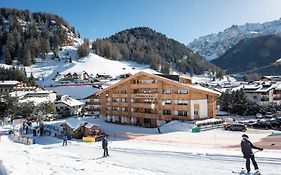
{"type": "Point", "coordinates": [277, 94]}
{"type": "Point", "coordinates": [83, 76]}
{"type": "Point", "coordinates": [103, 76]}
{"type": "Point", "coordinates": [264, 94]}
{"type": "Point", "coordinates": [33, 94]}
{"type": "Point", "coordinates": [67, 106]}
{"type": "Point", "coordinates": [145, 99]}
{"type": "Point", "coordinates": [78, 128]}
{"type": "Point", "coordinates": [8, 86]}
{"type": "Point", "coordinates": [92, 105]}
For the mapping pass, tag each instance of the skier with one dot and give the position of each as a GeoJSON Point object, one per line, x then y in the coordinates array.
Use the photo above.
{"type": "Point", "coordinates": [26, 129]}
{"type": "Point", "coordinates": [64, 140]}
{"type": "Point", "coordinates": [34, 132]}
{"type": "Point", "coordinates": [104, 147]}
{"type": "Point", "coordinates": [158, 128]}
{"type": "Point", "coordinates": [246, 148]}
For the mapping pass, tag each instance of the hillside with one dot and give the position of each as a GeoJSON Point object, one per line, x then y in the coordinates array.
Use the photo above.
{"type": "Point", "coordinates": [25, 35]}
{"type": "Point", "coordinates": [147, 46]}
{"type": "Point", "coordinates": [214, 45]}
{"type": "Point", "coordinates": [253, 55]}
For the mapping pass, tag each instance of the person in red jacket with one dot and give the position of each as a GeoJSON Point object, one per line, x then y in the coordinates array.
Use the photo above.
{"type": "Point", "coordinates": [246, 148]}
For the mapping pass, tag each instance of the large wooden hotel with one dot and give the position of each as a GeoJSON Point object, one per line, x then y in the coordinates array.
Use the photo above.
{"type": "Point", "coordinates": [146, 99]}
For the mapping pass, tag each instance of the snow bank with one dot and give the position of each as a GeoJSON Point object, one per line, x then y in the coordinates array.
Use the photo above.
{"type": "Point", "coordinates": [209, 121]}
{"type": "Point", "coordinates": [175, 126]}
{"type": "Point", "coordinates": [2, 169]}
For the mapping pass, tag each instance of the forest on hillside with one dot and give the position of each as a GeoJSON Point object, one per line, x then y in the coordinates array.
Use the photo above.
{"type": "Point", "coordinates": [25, 35]}
{"type": "Point", "coordinates": [147, 46]}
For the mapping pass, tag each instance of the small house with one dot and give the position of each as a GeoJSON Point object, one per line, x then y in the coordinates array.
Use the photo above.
{"type": "Point", "coordinates": [68, 106]}
{"type": "Point", "coordinates": [79, 128]}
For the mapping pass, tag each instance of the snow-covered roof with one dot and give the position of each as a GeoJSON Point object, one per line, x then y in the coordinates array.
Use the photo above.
{"type": "Point", "coordinates": [278, 86]}
{"type": "Point", "coordinates": [35, 100]}
{"type": "Point", "coordinates": [265, 88]}
{"type": "Point", "coordinates": [18, 94]}
{"type": "Point", "coordinates": [75, 123]}
{"type": "Point", "coordinates": [39, 92]}
{"type": "Point", "coordinates": [9, 82]}
{"type": "Point", "coordinates": [166, 79]}
{"type": "Point", "coordinates": [176, 126]}
{"type": "Point", "coordinates": [70, 101]}
{"type": "Point", "coordinates": [251, 86]}
{"type": "Point", "coordinates": [90, 125]}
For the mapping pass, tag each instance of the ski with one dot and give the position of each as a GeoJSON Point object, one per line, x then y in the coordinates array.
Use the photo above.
{"type": "Point", "coordinates": [244, 173]}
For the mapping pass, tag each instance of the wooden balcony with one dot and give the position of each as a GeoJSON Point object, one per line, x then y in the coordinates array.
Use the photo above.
{"type": "Point", "coordinates": [144, 115]}
{"type": "Point", "coordinates": [148, 86]}
{"type": "Point", "coordinates": [119, 95]}
{"type": "Point", "coordinates": [141, 105]}
{"type": "Point", "coordinates": [142, 95]}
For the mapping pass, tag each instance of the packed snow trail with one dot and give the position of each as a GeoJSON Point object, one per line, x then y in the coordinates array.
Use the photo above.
{"type": "Point", "coordinates": [126, 157]}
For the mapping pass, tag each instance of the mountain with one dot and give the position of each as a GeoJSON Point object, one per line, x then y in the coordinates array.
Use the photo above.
{"type": "Point", "coordinates": [25, 35]}
{"type": "Point", "coordinates": [251, 55]}
{"type": "Point", "coordinates": [214, 45]}
{"type": "Point", "coordinates": [147, 46]}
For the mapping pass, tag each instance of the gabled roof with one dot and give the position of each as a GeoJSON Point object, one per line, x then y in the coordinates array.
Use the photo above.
{"type": "Point", "coordinates": [278, 86]}
{"type": "Point", "coordinates": [9, 83]}
{"type": "Point", "coordinates": [69, 101]}
{"type": "Point", "coordinates": [75, 123]}
{"type": "Point", "coordinates": [194, 87]}
{"type": "Point", "coordinates": [265, 88]}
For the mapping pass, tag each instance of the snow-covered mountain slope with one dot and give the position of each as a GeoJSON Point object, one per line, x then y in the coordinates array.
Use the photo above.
{"type": "Point", "coordinates": [214, 45]}
{"type": "Point", "coordinates": [92, 64]}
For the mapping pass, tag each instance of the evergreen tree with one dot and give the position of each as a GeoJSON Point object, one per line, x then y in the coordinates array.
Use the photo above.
{"type": "Point", "coordinates": [8, 57]}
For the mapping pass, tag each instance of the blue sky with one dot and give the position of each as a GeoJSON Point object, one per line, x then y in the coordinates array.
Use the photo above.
{"type": "Point", "coordinates": [183, 20]}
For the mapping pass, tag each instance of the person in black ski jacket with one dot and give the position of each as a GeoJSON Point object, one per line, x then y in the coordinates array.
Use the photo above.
{"type": "Point", "coordinates": [64, 141]}
{"type": "Point", "coordinates": [104, 147]}
{"type": "Point", "coordinates": [246, 148]}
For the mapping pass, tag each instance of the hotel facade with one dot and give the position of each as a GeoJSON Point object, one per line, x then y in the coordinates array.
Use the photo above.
{"type": "Point", "coordinates": [147, 99]}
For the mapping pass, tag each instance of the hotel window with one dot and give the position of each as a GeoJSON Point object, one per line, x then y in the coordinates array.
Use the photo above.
{"type": "Point", "coordinates": [196, 112]}
{"type": "Point", "coordinates": [167, 101]}
{"type": "Point", "coordinates": [181, 102]}
{"type": "Point", "coordinates": [146, 81]}
{"type": "Point", "coordinates": [167, 91]}
{"type": "Point", "coordinates": [124, 100]}
{"type": "Point", "coordinates": [108, 99]}
{"type": "Point", "coordinates": [147, 100]}
{"type": "Point", "coordinates": [115, 100]}
{"type": "Point", "coordinates": [166, 112]}
{"type": "Point", "coordinates": [115, 108]}
{"type": "Point", "coordinates": [124, 109]}
{"type": "Point", "coordinates": [182, 91]}
{"type": "Point", "coordinates": [182, 113]}
{"type": "Point", "coordinates": [108, 108]}
{"type": "Point", "coordinates": [147, 91]}
{"type": "Point", "coordinates": [146, 110]}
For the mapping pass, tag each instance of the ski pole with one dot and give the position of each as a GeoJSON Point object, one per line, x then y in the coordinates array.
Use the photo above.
{"type": "Point", "coordinates": [259, 150]}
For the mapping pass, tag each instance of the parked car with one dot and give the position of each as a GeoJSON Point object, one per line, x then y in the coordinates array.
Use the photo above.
{"type": "Point", "coordinates": [262, 124]}
{"type": "Point", "coordinates": [268, 115]}
{"type": "Point", "coordinates": [235, 127]}
{"type": "Point", "coordinates": [258, 115]}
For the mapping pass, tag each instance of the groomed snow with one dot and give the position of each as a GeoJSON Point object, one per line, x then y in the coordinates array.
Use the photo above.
{"type": "Point", "coordinates": [147, 152]}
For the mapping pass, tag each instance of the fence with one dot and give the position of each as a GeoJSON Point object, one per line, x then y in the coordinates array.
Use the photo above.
{"type": "Point", "coordinates": [16, 136]}
{"type": "Point", "coordinates": [210, 126]}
